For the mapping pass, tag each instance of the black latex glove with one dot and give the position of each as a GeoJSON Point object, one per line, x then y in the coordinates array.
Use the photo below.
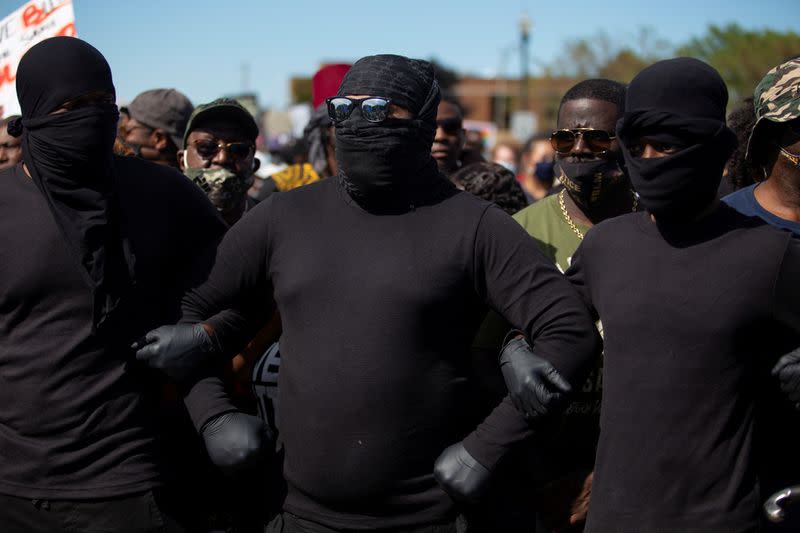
{"type": "Point", "coordinates": [175, 350]}
{"type": "Point", "coordinates": [787, 370]}
{"type": "Point", "coordinates": [236, 441]}
{"type": "Point", "coordinates": [462, 477]}
{"type": "Point", "coordinates": [535, 386]}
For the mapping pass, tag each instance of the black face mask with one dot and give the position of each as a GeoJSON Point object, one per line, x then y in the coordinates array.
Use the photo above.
{"type": "Point", "coordinates": [383, 158]}
{"type": "Point", "coordinates": [589, 181]}
{"type": "Point", "coordinates": [544, 172]}
{"type": "Point", "coordinates": [86, 156]}
{"type": "Point", "coordinates": [388, 164]}
{"type": "Point", "coordinates": [679, 186]}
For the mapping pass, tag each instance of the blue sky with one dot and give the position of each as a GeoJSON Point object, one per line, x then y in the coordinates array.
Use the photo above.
{"type": "Point", "coordinates": [199, 46]}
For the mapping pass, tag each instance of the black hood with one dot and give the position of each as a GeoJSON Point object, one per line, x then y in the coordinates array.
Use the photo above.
{"type": "Point", "coordinates": [680, 102]}
{"type": "Point", "coordinates": [70, 158]}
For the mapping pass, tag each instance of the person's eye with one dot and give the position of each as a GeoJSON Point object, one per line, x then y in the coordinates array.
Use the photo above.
{"type": "Point", "coordinates": [665, 148]}
{"type": "Point", "coordinates": [635, 149]}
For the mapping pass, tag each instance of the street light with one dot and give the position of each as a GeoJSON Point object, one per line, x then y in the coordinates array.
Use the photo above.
{"type": "Point", "coordinates": [525, 31]}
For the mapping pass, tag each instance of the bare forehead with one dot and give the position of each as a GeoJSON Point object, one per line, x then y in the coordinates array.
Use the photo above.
{"type": "Point", "coordinates": [447, 110]}
{"type": "Point", "coordinates": [589, 113]}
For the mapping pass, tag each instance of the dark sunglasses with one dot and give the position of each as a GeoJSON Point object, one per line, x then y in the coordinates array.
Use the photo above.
{"type": "Point", "coordinates": [208, 149]}
{"type": "Point", "coordinates": [597, 141]}
{"type": "Point", "coordinates": [451, 126]}
{"type": "Point", "coordinates": [373, 108]}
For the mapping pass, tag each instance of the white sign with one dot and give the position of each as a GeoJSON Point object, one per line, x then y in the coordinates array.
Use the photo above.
{"type": "Point", "coordinates": [523, 125]}
{"type": "Point", "coordinates": [33, 22]}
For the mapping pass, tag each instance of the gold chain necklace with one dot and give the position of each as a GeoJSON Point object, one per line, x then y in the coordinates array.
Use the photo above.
{"type": "Point", "coordinates": [568, 218]}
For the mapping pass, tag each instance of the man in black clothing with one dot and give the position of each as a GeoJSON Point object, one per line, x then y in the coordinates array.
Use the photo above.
{"type": "Point", "coordinates": [697, 302]}
{"type": "Point", "coordinates": [94, 250]}
{"type": "Point", "coordinates": [381, 276]}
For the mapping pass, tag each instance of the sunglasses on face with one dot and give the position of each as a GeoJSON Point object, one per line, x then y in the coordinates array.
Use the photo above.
{"type": "Point", "coordinates": [208, 149]}
{"type": "Point", "coordinates": [373, 108]}
{"type": "Point", "coordinates": [597, 141]}
{"type": "Point", "coordinates": [451, 126]}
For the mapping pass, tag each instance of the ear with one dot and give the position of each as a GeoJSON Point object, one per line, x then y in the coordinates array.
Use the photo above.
{"type": "Point", "coordinates": [160, 140]}
{"type": "Point", "coordinates": [256, 164]}
{"type": "Point", "coordinates": [181, 160]}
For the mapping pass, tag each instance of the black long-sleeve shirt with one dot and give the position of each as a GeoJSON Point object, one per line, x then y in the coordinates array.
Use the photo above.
{"type": "Point", "coordinates": [378, 314]}
{"type": "Point", "coordinates": [692, 322]}
{"type": "Point", "coordinates": [76, 417]}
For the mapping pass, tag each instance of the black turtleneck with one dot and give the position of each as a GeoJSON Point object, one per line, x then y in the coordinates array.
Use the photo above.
{"type": "Point", "coordinates": [379, 311]}
{"type": "Point", "coordinates": [693, 317]}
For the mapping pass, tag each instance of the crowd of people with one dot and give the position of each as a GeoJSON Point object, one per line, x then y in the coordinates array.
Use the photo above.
{"type": "Point", "coordinates": [399, 331]}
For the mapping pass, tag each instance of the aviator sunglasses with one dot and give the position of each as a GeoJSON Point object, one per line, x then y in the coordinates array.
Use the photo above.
{"type": "Point", "coordinates": [373, 108]}
{"type": "Point", "coordinates": [208, 149]}
{"type": "Point", "coordinates": [597, 141]}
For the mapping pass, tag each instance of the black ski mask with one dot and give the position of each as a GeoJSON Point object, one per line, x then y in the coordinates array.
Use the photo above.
{"type": "Point", "coordinates": [679, 102]}
{"type": "Point", "coordinates": [69, 155]}
{"type": "Point", "coordinates": [389, 163]}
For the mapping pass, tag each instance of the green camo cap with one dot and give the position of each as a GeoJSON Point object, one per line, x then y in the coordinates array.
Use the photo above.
{"type": "Point", "coordinates": [777, 96]}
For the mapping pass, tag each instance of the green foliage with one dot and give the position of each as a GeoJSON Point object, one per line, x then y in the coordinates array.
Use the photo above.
{"type": "Point", "coordinates": [601, 56]}
{"type": "Point", "coordinates": [742, 56]}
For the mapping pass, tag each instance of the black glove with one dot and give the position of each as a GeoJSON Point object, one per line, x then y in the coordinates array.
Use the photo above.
{"type": "Point", "coordinates": [175, 350]}
{"type": "Point", "coordinates": [236, 441]}
{"type": "Point", "coordinates": [787, 370]}
{"type": "Point", "coordinates": [535, 386]}
{"type": "Point", "coordinates": [462, 477]}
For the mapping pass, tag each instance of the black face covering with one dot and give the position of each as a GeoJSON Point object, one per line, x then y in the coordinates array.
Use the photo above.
{"type": "Point", "coordinates": [588, 181]}
{"type": "Point", "coordinates": [70, 158]}
{"type": "Point", "coordinates": [389, 163]}
{"type": "Point", "coordinates": [680, 102]}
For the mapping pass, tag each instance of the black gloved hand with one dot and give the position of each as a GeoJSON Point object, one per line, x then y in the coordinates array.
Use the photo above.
{"type": "Point", "coordinates": [236, 441]}
{"type": "Point", "coordinates": [787, 370]}
{"type": "Point", "coordinates": [462, 477]}
{"type": "Point", "coordinates": [535, 386]}
{"type": "Point", "coordinates": [175, 350]}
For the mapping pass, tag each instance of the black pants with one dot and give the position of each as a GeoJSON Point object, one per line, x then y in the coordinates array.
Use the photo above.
{"type": "Point", "coordinates": [289, 523]}
{"type": "Point", "coordinates": [129, 514]}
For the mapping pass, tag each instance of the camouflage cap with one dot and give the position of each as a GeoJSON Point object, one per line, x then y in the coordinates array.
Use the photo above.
{"type": "Point", "coordinates": [777, 96]}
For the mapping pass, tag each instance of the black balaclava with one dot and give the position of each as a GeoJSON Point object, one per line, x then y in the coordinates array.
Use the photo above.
{"type": "Point", "coordinates": [682, 102]}
{"type": "Point", "coordinates": [70, 158]}
{"type": "Point", "coordinates": [389, 164]}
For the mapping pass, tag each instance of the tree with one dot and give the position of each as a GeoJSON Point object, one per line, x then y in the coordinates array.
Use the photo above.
{"type": "Point", "coordinates": [741, 56]}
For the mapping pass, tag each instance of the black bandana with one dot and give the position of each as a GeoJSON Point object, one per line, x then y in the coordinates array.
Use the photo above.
{"type": "Point", "coordinates": [389, 164]}
{"type": "Point", "coordinates": [681, 102]}
{"type": "Point", "coordinates": [70, 158]}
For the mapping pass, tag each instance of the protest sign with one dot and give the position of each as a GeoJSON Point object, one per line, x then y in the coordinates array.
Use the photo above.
{"type": "Point", "coordinates": [33, 22]}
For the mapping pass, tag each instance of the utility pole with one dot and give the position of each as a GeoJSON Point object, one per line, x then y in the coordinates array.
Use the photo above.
{"type": "Point", "coordinates": [525, 30]}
